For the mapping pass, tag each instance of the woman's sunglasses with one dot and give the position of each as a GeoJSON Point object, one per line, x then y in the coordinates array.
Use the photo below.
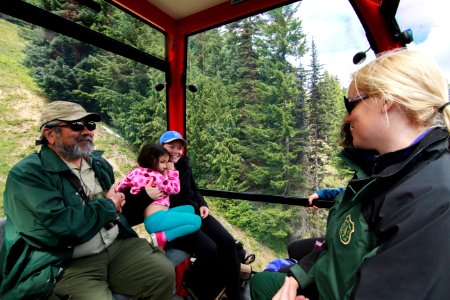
{"type": "Point", "coordinates": [351, 103]}
{"type": "Point", "coordinates": [79, 126]}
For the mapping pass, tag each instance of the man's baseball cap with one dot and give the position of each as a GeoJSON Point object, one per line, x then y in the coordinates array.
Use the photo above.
{"type": "Point", "coordinates": [170, 136]}
{"type": "Point", "coordinates": [66, 111]}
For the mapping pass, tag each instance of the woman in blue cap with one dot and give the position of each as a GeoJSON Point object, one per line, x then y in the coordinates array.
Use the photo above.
{"type": "Point", "coordinates": [213, 245]}
{"type": "Point", "coordinates": [217, 264]}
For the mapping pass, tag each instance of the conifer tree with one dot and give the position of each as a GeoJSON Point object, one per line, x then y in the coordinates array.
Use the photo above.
{"type": "Point", "coordinates": [315, 115]}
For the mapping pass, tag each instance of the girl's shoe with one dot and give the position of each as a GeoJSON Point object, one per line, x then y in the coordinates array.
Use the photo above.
{"type": "Point", "coordinates": [159, 239]}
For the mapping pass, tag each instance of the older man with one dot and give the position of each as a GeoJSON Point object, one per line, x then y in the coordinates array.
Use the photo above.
{"type": "Point", "coordinates": [65, 237]}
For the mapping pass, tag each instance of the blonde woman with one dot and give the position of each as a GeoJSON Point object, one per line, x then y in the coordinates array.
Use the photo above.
{"type": "Point", "coordinates": [387, 233]}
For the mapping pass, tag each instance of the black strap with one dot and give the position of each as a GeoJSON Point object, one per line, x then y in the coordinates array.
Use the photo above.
{"type": "Point", "coordinates": [75, 181]}
{"type": "Point", "coordinates": [441, 109]}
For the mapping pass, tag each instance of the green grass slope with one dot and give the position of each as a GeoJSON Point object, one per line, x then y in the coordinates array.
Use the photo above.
{"type": "Point", "coordinates": [19, 103]}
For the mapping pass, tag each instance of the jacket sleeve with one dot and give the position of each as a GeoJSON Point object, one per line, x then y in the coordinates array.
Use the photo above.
{"type": "Point", "coordinates": [125, 183]}
{"type": "Point", "coordinates": [47, 213]}
{"type": "Point", "coordinates": [170, 183]}
{"type": "Point", "coordinates": [198, 196]}
{"type": "Point", "coordinates": [413, 257]}
{"type": "Point", "coordinates": [329, 193]}
{"type": "Point", "coordinates": [303, 271]}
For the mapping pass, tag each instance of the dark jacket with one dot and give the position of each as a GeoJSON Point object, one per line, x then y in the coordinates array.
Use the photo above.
{"type": "Point", "coordinates": [387, 234]}
{"type": "Point", "coordinates": [46, 218]}
{"type": "Point", "coordinates": [189, 194]}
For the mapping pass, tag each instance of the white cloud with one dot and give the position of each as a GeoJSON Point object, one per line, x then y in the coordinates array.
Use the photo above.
{"type": "Point", "coordinates": [431, 25]}
{"type": "Point", "coordinates": [338, 34]}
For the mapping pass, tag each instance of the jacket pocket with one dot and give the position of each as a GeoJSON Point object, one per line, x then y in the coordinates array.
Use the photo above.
{"type": "Point", "coordinates": [40, 284]}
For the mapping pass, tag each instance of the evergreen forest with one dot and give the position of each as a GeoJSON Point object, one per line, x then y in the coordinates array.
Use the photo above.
{"type": "Point", "coordinates": [266, 117]}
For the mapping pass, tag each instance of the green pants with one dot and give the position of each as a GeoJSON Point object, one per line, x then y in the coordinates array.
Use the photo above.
{"type": "Point", "coordinates": [264, 285]}
{"type": "Point", "coordinates": [128, 267]}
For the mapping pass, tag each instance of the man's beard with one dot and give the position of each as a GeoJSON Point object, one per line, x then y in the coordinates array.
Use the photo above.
{"type": "Point", "coordinates": [83, 147]}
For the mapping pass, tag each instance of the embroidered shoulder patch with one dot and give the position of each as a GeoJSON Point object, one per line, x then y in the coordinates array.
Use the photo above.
{"type": "Point", "coordinates": [346, 231]}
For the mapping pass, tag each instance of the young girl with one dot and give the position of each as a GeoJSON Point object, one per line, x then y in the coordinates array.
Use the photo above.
{"type": "Point", "coordinates": [162, 223]}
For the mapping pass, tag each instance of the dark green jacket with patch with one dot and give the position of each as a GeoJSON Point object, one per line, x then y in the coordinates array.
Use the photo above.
{"type": "Point", "coordinates": [387, 235]}
{"type": "Point", "coordinates": [46, 218]}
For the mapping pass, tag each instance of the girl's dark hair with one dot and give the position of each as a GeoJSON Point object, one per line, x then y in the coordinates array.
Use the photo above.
{"type": "Point", "coordinates": [149, 155]}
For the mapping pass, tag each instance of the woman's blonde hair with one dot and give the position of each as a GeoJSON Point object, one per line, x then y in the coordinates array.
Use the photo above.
{"type": "Point", "coordinates": [411, 80]}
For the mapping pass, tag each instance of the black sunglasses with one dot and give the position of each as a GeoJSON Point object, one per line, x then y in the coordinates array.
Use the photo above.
{"type": "Point", "coordinates": [350, 103]}
{"type": "Point", "coordinates": [79, 126]}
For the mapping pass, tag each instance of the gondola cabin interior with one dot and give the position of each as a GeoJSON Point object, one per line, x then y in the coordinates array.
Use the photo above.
{"type": "Point", "coordinates": [242, 80]}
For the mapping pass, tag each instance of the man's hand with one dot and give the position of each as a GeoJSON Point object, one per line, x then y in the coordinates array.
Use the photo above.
{"type": "Point", "coordinates": [204, 211]}
{"type": "Point", "coordinates": [117, 197]}
{"type": "Point", "coordinates": [153, 192]}
{"type": "Point", "coordinates": [289, 290]}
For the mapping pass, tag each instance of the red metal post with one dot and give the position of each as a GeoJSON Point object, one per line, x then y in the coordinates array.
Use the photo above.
{"type": "Point", "coordinates": [176, 103]}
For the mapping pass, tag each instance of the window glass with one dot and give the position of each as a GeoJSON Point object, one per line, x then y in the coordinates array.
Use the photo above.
{"type": "Point", "coordinates": [267, 115]}
{"type": "Point", "coordinates": [39, 66]}
{"type": "Point", "coordinates": [270, 96]}
{"type": "Point", "coordinates": [107, 19]}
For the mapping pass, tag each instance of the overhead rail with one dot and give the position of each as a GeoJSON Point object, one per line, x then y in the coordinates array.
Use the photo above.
{"type": "Point", "coordinates": [35, 15]}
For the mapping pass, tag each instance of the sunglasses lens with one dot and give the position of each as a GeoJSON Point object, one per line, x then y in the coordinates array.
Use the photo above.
{"type": "Point", "coordinates": [348, 105]}
{"type": "Point", "coordinates": [91, 125]}
{"type": "Point", "coordinates": [351, 103]}
{"type": "Point", "coordinates": [79, 126]}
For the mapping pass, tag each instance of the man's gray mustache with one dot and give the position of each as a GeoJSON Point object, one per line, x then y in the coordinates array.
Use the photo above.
{"type": "Point", "coordinates": [85, 139]}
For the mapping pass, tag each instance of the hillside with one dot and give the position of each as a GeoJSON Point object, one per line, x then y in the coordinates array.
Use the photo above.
{"type": "Point", "coordinates": [21, 103]}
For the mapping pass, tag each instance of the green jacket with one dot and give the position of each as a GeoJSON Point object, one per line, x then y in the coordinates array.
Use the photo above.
{"type": "Point", "coordinates": [386, 235]}
{"type": "Point", "coordinates": [46, 218]}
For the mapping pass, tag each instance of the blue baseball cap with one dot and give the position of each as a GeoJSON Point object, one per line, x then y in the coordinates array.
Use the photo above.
{"type": "Point", "coordinates": [170, 136]}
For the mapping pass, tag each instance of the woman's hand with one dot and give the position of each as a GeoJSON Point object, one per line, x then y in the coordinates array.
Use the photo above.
{"type": "Point", "coordinates": [289, 290]}
{"type": "Point", "coordinates": [204, 211]}
{"type": "Point", "coordinates": [153, 192]}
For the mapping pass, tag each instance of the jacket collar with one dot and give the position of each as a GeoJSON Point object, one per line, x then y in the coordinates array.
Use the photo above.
{"type": "Point", "coordinates": [369, 163]}
{"type": "Point", "coordinates": [391, 163]}
{"type": "Point", "coordinates": [361, 161]}
{"type": "Point", "coordinates": [53, 163]}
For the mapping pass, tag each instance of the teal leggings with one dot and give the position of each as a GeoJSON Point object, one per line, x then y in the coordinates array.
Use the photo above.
{"type": "Point", "coordinates": [175, 222]}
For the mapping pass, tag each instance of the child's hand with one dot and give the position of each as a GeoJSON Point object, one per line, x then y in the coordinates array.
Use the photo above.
{"type": "Point", "coordinates": [170, 166]}
{"type": "Point", "coordinates": [311, 198]}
